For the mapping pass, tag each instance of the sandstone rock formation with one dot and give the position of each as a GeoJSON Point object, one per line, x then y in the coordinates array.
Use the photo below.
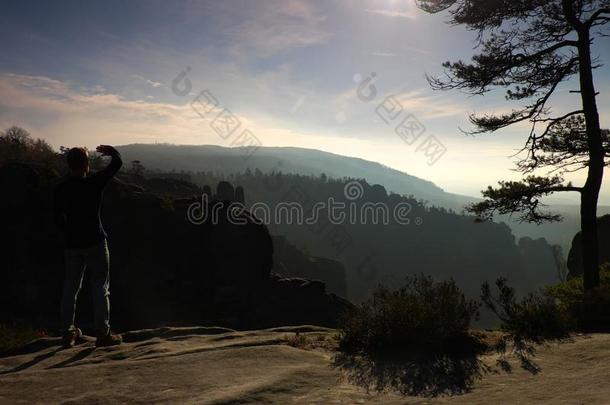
{"type": "Point", "coordinates": [575, 257]}
{"type": "Point", "coordinates": [291, 262]}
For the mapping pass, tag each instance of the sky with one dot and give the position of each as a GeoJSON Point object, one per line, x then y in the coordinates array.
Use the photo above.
{"type": "Point", "coordinates": [293, 72]}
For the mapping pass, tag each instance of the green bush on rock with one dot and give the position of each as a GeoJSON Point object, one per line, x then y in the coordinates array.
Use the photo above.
{"type": "Point", "coordinates": [423, 316]}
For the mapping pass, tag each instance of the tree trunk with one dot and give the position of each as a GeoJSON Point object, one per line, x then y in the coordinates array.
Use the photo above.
{"type": "Point", "coordinates": [590, 192]}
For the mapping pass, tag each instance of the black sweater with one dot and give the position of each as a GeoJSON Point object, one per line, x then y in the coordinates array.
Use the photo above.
{"type": "Point", "coordinates": [78, 201]}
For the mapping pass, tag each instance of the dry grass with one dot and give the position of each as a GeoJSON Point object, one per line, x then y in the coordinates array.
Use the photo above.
{"type": "Point", "coordinates": [488, 338]}
{"type": "Point", "coordinates": [313, 341]}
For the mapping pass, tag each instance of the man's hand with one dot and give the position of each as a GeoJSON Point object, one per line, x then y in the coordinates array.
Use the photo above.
{"type": "Point", "coordinates": [107, 150]}
{"type": "Point", "coordinates": [109, 171]}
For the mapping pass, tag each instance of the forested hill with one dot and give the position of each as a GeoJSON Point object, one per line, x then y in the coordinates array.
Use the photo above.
{"type": "Point", "coordinates": [432, 240]}
{"type": "Point", "coordinates": [223, 160]}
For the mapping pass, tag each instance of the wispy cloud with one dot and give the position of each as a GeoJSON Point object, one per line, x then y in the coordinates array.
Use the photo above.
{"type": "Point", "coordinates": [279, 26]}
{"type": "Point", "coordinates": [430, 106]}
{"type": "Point", "coordinates": [409, 12]}
{"type": "Point", "coordinates": [415, 49]}
{"type": "Point", "coordinates": [152, 83]}
{"type": "Point", "coordinates": [422, 103]}
{"type": "Point", "coordinates": [384, 54]}
{"type": "Point", "coordinates": [65, 114]}
{"type": "Point", "coordinates": [76, 115]}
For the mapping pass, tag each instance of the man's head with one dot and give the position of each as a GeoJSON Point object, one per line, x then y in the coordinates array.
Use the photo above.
{"type": "Point", "coordinates": [78, 161]}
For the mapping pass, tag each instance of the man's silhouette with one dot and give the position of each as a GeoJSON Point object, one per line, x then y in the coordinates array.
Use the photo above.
{"type": "Point", "coordinates": [77, 211]}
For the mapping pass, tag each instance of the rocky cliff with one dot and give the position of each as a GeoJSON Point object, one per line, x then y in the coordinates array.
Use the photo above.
{"type": "Point", "coordinates": [575, 257]}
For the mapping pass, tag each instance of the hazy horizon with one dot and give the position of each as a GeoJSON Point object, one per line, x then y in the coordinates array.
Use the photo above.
{"type": "Point", "coordinates": [553, 199]}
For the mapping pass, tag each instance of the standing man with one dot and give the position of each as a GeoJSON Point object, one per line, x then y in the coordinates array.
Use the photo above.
{"type": "Point", "coordinates": [78, 202]}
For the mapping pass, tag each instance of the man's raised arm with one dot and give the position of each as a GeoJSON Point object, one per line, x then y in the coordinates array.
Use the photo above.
{"type": "Point", "coordinates": [115, 164]}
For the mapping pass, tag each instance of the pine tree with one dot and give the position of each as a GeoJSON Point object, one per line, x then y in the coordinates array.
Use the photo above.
{"type": "Point", "coordinates": [529, 48]}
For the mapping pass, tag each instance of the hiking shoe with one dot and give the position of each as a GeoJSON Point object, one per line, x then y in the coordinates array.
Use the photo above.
{"type": "Point", "coordinates": [108, 340]}
{"type": "Point", "coordinates": [72, 338]}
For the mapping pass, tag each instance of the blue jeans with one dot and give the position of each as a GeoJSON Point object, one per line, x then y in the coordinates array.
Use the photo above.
{"type": "Point", "coordinates": [96, 259]}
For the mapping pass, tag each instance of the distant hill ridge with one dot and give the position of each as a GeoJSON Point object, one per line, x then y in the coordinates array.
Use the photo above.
{"type": "Point", "coordinates": [225, 160]}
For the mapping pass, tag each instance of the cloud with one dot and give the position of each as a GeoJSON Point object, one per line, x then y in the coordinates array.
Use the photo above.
{"type": "Point", "coordinates": [410, 12]}
{"type": "Point", "coordinates": [430, 106]}
{"type": "Point", "coordinates": [152, 83]}
{"type": "Point", "coordinates": [421, 103]}
{"type": "Point", "coordinates": [78, 115]}
{"type": "Point", "coordinates": [65, 114]}
{"type": "Point", "coordinates": [384, 54]}
{"type": "Point", "coordinates": [415, 49]}
{"type": "Point", "coordinates": [73, 115]}
{"type": "Point", "coordinates": [63, 97]}
{"type": "Point", "coordinates": [278, 26]}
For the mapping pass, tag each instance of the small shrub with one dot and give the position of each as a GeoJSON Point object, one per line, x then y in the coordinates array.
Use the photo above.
{"type": "Point", "coordinates": [312, 341]}
{"type": "Point", "coordinates": [591, 312]}
{"type": "Point", "coordinates": [424, 316]}
{"type": "Point", "coordinates": [297, 340]}
{"type": "Point", "coordinates": [536, 317]}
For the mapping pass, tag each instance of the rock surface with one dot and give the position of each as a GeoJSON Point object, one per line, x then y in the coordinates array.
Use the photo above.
{"type": "Point", "coordinates": [219, 366]}
{"type": "Point", "coordinates": [289, 261]}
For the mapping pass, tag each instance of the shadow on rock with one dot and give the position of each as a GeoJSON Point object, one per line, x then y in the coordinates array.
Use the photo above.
{"type": "Point", "coordinates": [32, 362]}
{"type": "Point", "coordinates": [80, 355]}
{"type": "Point", "coordinates": [410, 375]}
